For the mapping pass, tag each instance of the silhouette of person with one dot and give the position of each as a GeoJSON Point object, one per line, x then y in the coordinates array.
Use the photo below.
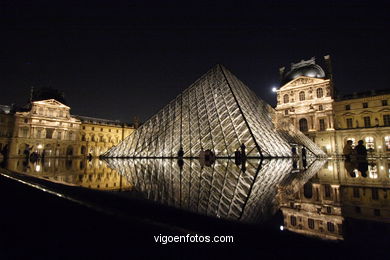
{"type": "Point", "coordinates": [237, 157]}
{"type": "Point", "coordinates": [243, 153]}
{"type": "Point", "coordinates": [363, 168]}
{"type": "Point", "coordinates": [303, 153]}
{"type": "Point", "coordinates": [180, 153]}
{"type": "Point", "coordinates": [361, 150]}
{"type": "Point", "coordinates": [350, 168]}
{"type": "Point", "coordinates": [348, 150]}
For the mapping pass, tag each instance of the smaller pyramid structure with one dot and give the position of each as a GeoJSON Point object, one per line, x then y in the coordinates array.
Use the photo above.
{"type": "Point", "coordinates": [217, 112]}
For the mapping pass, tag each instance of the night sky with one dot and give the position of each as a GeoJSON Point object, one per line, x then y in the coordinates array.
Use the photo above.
{"type": "Point", "coordinates": [127, 59]}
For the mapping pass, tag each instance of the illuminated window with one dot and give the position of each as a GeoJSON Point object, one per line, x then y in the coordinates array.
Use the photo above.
{"type": "Point", "coordinates": [303, 125]}
{"type": "Point", "coordinates": [349, 123]}
{"type": "Point", "coordinates": [367, 121]}
{"type": "Point", "coordinates": [386, 120]}
{"type": "Point", "coordinates": [348, 107]}
{"type": "Point", "coordinates": [301, 96]}
{"type": "Point", "coordinates": [387, 143]}
{"type": "Point", "coordinates": [372, 171]}
{"type": "Point", "coordinates": [310, 222]}
{"type": "Point", "coordinates": [330, 226]}
{"type": "Point", "coordinates": [322, 125]}
{"type": "Point", "coordinates": [365, 105]}
{"type": "Point", "coordinates": [369, 142]}
{"type": "Point", "coordinates": [320, 93]}
{"type": "Point", "coordinates": [285, 99]}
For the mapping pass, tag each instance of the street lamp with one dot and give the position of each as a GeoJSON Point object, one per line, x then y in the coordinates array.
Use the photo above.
{"type": "Point", "coordinates": [274, 89]}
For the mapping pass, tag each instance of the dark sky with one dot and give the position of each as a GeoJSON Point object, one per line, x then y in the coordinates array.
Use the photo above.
{"type": "Point", "coordinates": [127, 59]}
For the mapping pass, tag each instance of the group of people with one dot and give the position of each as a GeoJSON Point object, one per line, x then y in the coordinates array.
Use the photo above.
{"type": "Point", "coordinates": [360, 151]}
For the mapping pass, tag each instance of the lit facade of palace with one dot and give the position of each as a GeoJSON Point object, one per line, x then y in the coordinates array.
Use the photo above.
{"type": "Point", "coordinates": [307, 99]}
{"type": "Point", "coordinates": [339, 192]}
{"type": "Point", "coordinates": [48, 128]}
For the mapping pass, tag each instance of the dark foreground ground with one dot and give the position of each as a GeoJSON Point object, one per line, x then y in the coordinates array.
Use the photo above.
{"type": "Point", "coordinates": [38, 225]}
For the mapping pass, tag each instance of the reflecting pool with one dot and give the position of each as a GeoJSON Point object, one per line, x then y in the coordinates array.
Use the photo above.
{"type": "Point", "coordinates": [331, 200]}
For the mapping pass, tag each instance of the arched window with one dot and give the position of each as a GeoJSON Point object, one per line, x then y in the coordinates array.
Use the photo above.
{"type": "Point", "coordinates": [320, 93]}
{"type": "Point", "coordinates": [387, 143]}
{"type": "Point", "coordinates": [301, 95]}
{"type": "Point", "coordinates": [285, 99]}
{"type": "Point", "coordinates": [353, 141]}
{"type": "Point", "coordinates": [369, 140]}
{"type": "Point", "coordinates": [303, 125]}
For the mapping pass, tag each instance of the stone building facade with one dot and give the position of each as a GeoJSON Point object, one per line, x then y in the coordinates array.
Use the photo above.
{"type": "Point", "coordinates": [306, 98]}
{"type": "Point", "coordinates": [47, 128]}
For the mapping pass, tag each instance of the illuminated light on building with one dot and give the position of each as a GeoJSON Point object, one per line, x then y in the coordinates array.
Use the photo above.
{"type": "Point", "coordinates": [37, 167]}
{"type": "Point", "coordinates": [274, 89]}
{"type": "Point", "coordinates": [281, 228]}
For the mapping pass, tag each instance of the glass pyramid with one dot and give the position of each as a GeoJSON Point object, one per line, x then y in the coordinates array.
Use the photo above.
{"type": "Point", "coordinates": [217, 112]}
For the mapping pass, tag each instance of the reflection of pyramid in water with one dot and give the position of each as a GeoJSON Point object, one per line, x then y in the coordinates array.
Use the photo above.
{"type": "Point", "coordinates": [217, 112]}
{"type": "Point", "coordinates": [223, 190]}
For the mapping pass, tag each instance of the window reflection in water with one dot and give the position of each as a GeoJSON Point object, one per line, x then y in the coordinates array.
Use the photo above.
{"type": "Point", "coordinates": [353, 192]}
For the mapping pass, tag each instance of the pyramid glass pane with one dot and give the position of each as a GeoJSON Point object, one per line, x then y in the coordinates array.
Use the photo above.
{"type": "Point", "coordinates": [217, 112]}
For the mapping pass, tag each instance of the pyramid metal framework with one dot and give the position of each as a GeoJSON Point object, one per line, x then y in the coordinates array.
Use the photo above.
{"type": "Point", "coordinates": [223, 190]}
{"type": "Point", "coordinates": [217, 112]}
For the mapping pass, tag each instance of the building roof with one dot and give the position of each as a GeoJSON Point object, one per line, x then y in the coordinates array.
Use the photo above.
{"type": "Point", "coordinates": [370, 93]}
{"type": "Point", "coordinates": [307, 68]}
{"type": "Point", "coordinates": [100, 121]}
{"type": "Point", "coordinates": [5, 109]}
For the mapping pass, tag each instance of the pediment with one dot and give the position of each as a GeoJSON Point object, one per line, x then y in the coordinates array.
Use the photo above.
{"type": "Point", "coordinates": [349, 114]}
{"type": "Point", "coordinates": [50, 102]}
{"type": "Point", "coordinates": [384, 110]}
{"type": "Point", "coordinates": [302, 80]}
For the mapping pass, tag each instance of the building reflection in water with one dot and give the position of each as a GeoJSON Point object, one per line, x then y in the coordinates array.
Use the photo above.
{"type": "Point", "coordinates": [223, 190]}
{"type": "Point", "coordinates": [94, 174]}
{"type": "Point", "coordinates": [343, 198]}
{"type": "Point", "coordinates": [325, 199]}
